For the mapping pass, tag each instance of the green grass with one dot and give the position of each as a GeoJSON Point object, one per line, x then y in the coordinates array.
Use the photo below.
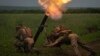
{"type": "Point", "coordinates": [76, 22]}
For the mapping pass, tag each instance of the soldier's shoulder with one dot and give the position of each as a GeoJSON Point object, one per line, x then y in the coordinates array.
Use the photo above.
{"type": "Point", "coordinates": [73, 35]}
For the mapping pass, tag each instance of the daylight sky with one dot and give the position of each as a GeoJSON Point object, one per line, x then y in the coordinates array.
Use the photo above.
{"type": "Point", "coordinates": [74, 3]}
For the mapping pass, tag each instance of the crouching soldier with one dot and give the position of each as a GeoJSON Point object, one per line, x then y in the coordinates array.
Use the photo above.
{"type": "Point", "coordinates": [62, 35]}
{"type": "Point", "coordinates": [24, 40]}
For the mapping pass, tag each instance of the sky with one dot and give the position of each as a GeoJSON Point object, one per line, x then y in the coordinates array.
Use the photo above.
{"type": "Point", "coordinates": [30, 3]}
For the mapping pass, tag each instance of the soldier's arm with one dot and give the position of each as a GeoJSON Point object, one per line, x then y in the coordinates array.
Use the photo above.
{"type": "Point", "coordinates": [55, 42]}
{"type": "Point", "coordinates": [75, 45]}
{"type": "Point", "coordinates": [65, 31]}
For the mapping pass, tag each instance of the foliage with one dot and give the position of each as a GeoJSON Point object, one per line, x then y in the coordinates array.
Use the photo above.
{"type": "Point", "coordinates": [70, 10]}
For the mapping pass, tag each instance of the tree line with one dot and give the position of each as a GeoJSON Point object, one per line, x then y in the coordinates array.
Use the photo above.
{"type": "Point", "coordinates": [75, 10]}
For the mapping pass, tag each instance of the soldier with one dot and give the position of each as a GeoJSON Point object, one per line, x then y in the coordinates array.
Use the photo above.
{"type": "Point", "coordinates": [56, 33]}
{"type": "Point", "coordinates": [65, 36]}
{"type": "Point", "coordinates": [24, 40]}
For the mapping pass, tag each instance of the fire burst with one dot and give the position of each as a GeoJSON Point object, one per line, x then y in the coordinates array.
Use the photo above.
{"type": "Point", "coordinates": [53, 8]}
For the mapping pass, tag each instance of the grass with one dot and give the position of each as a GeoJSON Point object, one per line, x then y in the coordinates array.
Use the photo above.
{"type": "Point", "coordinates": [76, 22]}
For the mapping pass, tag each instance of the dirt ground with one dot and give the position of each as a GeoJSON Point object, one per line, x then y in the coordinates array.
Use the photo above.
{"type": "Point", "coordinates": [68, 50]}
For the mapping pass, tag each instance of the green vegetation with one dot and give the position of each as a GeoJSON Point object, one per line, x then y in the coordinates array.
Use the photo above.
{"type": "Point", "coordinates": [39, 10]}
{"type": "Point", "coordinates": [76, 22]}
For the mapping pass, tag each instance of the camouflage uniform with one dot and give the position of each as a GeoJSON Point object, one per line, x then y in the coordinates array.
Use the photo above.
{"type": "Point", "coordinates": [23, 34]}
{"type": "Point", "coordinates": [66, 36]}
